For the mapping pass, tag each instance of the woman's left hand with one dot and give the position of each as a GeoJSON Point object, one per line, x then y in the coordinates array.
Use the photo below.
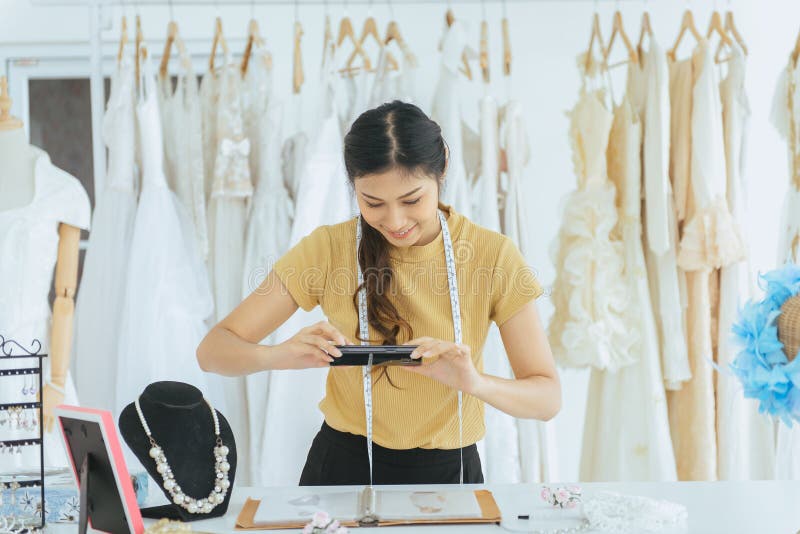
{"type": "Point", "coordinates": [452, 365]}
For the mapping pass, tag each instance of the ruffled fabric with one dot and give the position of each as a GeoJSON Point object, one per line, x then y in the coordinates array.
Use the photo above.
{"type": "Point", "coordinates": [589, 292]}
{"type": "Point", "coordinates": [711, 239]}
{"type": "Point", "coordinates": [762, 366]}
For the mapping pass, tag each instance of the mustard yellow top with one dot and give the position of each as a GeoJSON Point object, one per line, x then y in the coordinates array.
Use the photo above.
{"type": "Point", "coordinates": [494, 282]}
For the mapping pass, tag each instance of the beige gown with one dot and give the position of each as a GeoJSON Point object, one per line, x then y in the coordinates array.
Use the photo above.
{"type": "Point", "coordinates": [709, 240]}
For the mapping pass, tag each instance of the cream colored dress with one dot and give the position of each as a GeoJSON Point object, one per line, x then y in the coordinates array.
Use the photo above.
{"type": "Point", "coordinates": [589, 294]}
{"type": "Point", "coordinates": [626, 434]}
{"type": "Point", "coordinates": [649, 90]}
{"type": "Point", "coordinates": [786, 118]}
{"type": "Point", "coordinates": [744, 437]}
{"type": "Point", "coordinates": [709, 239]}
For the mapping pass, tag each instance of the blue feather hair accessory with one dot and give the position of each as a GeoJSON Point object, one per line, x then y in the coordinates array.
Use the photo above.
{"type": "Point", "coordinates": [762, 366]}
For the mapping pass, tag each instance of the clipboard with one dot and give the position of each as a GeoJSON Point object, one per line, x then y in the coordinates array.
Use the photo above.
{"type": "Point", "coordinates": [490, 513]}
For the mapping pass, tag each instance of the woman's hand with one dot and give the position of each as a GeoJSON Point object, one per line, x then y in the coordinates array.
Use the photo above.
{"type": "Point", "coordinates": [449, 363]}
{"type": "Point", "coordinates": [313, 346]}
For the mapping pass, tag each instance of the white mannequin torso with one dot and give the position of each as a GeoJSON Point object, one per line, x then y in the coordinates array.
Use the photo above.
{"type": "Point", "coordinates": [17, 168]}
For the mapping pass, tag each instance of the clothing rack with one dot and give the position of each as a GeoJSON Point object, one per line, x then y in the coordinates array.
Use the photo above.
{"type": "Point", "coordinates": [95, 11]}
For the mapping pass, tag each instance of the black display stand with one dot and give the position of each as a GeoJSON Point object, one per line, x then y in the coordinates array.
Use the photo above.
{"type": "Point", "coordinates": [10, 350]}
{"type": "Point", "coordinates": [181, 424]}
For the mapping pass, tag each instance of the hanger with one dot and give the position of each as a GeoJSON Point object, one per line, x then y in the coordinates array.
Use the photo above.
{"type": "Point", "coordinates": [298, 77]}
{"type": "Point", "coordinates": [618, 28]}
{"type": "Point", "coordinates": [506, 47]}
{"type": "Point", "coordinates": [646, 31]}
{"type": "Point", "coordinates": [219, 39]}
{"type": "Point", "coordinates": [731, 28]}
{"type": "Point", "coordinates": [345, 32]}
{"type": "Point", "coordinates": [596, 36]}
{"type": "Point", "coordinates": [140, 49]}
{"type": "Point", "coordinates": [484, 51]}
{"type": "Point", "coordinates": [370, 29]}
{"type": "Point", "coordinates": [715, 26]}
{"type": "Point", "coordinates": [173, 37]}
{"type": "Point", "coordinates": [450, 18]}
{"type": "Point", "coordinates": [123, 39]}
{"type": "Point", "coordinates": [687, 23]}
{"type": "Point", "coordinates": [393, 34]}
{"type": "Point", "coordinates": [253, 37]}
{"type": "Point", "coordinates": [796, 50]}
{"type": "Point", "coordinates": [7, 122]}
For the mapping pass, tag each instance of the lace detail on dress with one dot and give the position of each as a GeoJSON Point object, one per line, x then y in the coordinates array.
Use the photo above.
{"type": "Point", "coordinates": [612, 512]}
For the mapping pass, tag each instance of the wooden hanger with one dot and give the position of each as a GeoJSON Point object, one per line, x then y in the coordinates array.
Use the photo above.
{"type": "Point", "coordinates": [730, 27]}
{"type": "Point", "coordinates": [139, 48]}
{"type": "Point", "coordinates": [219, 39]}
{"type": "Point", "coordinates": [597, 37]}
{"type": "Point", "coordinates": [618, 29]}
{"type": "Point", "coordinates": [687, 23]}
{"type": "Point", "coordinates": [370, 29]}
{"type": "Point", "coordinates": [298, 77]}
{"type": "Point", "coordinates": [123, 39]}
{"type": "Point", "coordinates": [715, 25]}
{"type": "Point", "coordinates": [173, 37]}
{"type": "Point", "coordinates": [484, 51]}
{"type": "Point", "coordinates": [253, 37]}
{"type": "Point", "coordinates": [346, 32]}
{"type": "Point", "coordinates": [506, 47]}
{"type": "Point", "coordinates": [646, 31]}
{"type": "Point", "coordinates": [796, 51]}
{"type": "Point", "coordinates": [450, 18]}
{"type": "Point", "coordinates": [393, 34]}
{"type": "Point", "coordinates": [7, 122]}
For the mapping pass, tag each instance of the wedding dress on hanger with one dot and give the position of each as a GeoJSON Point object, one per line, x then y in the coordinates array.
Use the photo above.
{"type": "Point", "coordinates": [105, 268]}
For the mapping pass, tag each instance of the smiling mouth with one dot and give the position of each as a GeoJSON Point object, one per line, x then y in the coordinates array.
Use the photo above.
{"type": "Point", "coordinates": [402, 234]}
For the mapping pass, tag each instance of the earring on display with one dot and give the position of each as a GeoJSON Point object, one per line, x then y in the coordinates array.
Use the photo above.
{"type": "Point", "coordinates": [3, 418]}
{"type": "Point", "coordinates": [34, 386]}
{"type": "Point", "coordinates": [25, 385]}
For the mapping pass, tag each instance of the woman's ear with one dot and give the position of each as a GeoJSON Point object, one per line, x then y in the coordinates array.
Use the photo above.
{"type": "Point", "coordinates": [446, 159]}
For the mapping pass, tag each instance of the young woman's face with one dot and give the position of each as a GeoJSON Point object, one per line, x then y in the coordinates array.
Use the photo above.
{"type": "Point", "coordinates": [400, 206]}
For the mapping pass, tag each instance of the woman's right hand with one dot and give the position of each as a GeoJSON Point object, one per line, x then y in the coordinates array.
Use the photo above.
{"type": "Point", "coordinates": [313, 346]}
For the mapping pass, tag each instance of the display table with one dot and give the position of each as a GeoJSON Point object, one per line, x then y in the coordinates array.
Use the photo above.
{"type": "Point", "coordinates": [714, 507]}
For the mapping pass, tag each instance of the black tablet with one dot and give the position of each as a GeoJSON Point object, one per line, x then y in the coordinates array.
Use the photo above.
{"type": "Point", "coordinates": [381, 355]}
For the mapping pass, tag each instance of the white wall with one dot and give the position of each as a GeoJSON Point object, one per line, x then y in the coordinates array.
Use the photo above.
{"type": "Point", "coordinates": [546, 38]}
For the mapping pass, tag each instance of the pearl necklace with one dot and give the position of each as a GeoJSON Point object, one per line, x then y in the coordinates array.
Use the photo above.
{"type": "Point", "coordinates": [217, 495]}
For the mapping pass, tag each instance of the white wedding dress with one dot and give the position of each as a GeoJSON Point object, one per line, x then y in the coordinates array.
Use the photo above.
{"type": "Point", "coordinates": [626, 432]}
{"type": "Point", "coordinates": [105, 268]}
{"type": "Point", "coordinates": [268, 227]}
{"type": "Point", "coordinates": [183, 147]}
{"type": "Point", "coordinates": [29, 248]}
{"type": "Point", "coordinates": [167, 297]}
{"type": "Point", "coordinates": [446, 111]}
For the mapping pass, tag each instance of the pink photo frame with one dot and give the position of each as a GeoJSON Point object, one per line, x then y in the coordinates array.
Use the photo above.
{"type": "Point", "coordinates": [80, 425]}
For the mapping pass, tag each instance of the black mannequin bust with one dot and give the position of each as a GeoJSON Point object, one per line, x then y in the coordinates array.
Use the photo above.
{"type": "Point", "coordinates": [180, 422]}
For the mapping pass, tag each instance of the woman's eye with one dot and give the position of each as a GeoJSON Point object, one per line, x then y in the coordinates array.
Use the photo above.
{"type": "Point", "coordinates": [372, 205]}
{"type": "Point", "coordinates": [410, 202]}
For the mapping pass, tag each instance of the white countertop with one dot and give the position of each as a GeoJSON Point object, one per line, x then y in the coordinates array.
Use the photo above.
{"type": "Point", "coordinates": [764, 507]}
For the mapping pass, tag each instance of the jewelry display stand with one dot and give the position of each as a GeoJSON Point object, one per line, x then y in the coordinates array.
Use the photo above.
{"type": "Point", "coordinates": [11, 351]}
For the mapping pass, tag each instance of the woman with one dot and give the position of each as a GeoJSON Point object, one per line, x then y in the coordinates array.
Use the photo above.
{"type": "Point", "coordinates": [396, 161]}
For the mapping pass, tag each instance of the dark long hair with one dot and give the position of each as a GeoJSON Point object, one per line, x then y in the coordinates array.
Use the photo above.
{"type": "Point", "coordinates": [395, 135]}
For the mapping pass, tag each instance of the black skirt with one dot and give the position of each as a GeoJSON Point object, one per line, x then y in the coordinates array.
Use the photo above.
{"type": "Point", "coordinates": [340, 458]}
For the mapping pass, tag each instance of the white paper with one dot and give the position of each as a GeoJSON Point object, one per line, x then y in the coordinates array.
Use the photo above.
{"type": "Point", "coordinates": [406, 505]}
{"type": "Point", "coordinates": [301, 505]}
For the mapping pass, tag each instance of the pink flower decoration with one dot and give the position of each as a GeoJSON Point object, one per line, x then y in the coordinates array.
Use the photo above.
{"type": "Point", "coordinates": [308, 529]}
{"type": "Point", "coordinates": [545, 494]}
{"type": "Point", "coordinates": [562, 495]}
{"type": "Point", "coordinates": [321, 519]}
{"type": "Point", "coordinates": [332, 528]}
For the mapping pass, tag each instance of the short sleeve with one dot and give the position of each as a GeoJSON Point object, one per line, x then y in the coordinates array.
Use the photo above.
{"type": "Point", "coordinates": [514, 283]}
{"type": "Point", "coordinates": [65, 197]}
{"type": "Point", "coordinates": [304, 268]}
